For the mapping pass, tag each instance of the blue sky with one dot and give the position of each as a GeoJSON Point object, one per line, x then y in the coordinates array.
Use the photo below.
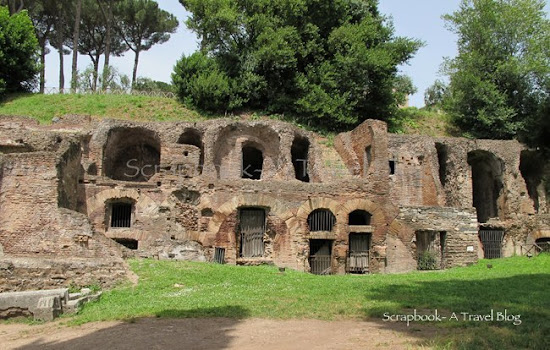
{"type": "Point", "coordinates": [420, 19]}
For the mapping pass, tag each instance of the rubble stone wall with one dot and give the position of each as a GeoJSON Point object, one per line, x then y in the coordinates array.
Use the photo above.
{"type": "Point", "coordinates": [59, 184]}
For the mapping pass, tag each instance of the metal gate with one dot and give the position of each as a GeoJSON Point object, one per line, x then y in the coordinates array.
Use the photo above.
{"type": "Point", "coordinates": [492, 243]}
{"type": "Point", "coordinates": [358, 258]}
{"type": "Point", "coordinates": [320, 256]}
{"type": "Point", "coordinates": [219, 255]}
{"type": "Point", "coordinates": [321, 220]}
{"type": "Point", "coordinates": [252, 229]}
{"type": "Point", "coordinates": [121, 214]}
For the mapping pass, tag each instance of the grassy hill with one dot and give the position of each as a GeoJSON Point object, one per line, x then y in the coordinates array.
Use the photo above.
{"type": "Point", "coordinates": [141, 108]}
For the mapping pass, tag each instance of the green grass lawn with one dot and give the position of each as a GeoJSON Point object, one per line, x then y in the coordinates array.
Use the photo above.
{"type": "Point", "coordinates": [140, 108]}
{"type": "Point", "coordinates": [183, 289]}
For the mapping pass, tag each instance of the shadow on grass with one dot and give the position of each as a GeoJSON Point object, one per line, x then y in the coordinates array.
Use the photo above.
{"type": "Point", "coordinates": [525, 295]}
{"type": "Point", "coordinates": [171, 329]}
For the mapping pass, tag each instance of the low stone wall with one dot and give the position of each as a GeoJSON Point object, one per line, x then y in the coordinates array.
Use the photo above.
{"type": "Point", "coordinates": [21, 274]}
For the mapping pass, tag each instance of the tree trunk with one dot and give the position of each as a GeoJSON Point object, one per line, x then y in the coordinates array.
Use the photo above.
{"type": "Point", "coordinates": [134, 74]}
{"type": "Point", "coordinates": [42, 65]}
{"type": "Point", "coordinates": [76, 35]}
{"type": "Point", "coordinates": [109, 20]}
{"type": "Point", "coordinates": [61, 71]}
{"type": "Point", "coordinates": [60, 39]}
{"type": "Point", "coordinates": [95, 61]}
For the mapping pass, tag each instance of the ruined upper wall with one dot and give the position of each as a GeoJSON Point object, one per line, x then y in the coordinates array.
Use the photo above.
{"type": "Point", "coordinates": [442, 171]}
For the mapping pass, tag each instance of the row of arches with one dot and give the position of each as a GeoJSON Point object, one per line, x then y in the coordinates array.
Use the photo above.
{"type": "Point", "coordinates": [134, 154]}
{"type": "Point", "coordinates": [324, 220]}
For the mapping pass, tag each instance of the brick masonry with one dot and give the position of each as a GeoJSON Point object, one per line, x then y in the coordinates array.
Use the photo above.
{"type": "Point", "coordinates": [58, 185]}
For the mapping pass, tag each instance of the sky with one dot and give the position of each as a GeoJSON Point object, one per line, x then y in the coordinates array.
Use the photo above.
{"type": "Point", "coordinates": [419, 19]}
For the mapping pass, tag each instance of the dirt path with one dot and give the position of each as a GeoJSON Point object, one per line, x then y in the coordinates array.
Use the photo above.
{"type": "Point", "coordinates": [214, 333]}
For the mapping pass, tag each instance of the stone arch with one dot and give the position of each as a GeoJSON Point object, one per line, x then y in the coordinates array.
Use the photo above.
{"type": "Point", "coordinates": [542, 233]}
{"type": "Point", "coordinates": [299, 222]}
{"type": "Point", "coordinates": [362, 204]}
{"type": "Point", "coordinates": [143, 203]}
{"type": "Point", "coordinates": [193, 137]}
{"type": "Point", "coordinates": [252, 160]}
{"type": "Point", "coordinates": [276, 207]}
{"type": "Point", "coordinates": [131, 154]}
{"type": "Point", "coordinates": [227, 149]}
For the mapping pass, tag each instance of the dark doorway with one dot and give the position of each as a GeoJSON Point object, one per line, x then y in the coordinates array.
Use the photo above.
{"type": "Point", "coordinates": [358, 255]}
{"type": "Point", "coordinates": [544, 244]}
{"type": "Point", "coordinates": [443, 246]}
{"type": "Point", "coordinates": [442, 155]}
{"type": "Point", "coordinates": [300, 158]}
{"type": "Point", "coordinates": [359, 217]}
{"type": "Point", "coordinates": [492, 243]}
{"type": "Point", "coordinates": [252, 165]}
{"type": "Point", "coordinates": [121, 215]}
{"type": "Point", "coordinates": [252, 230]}
{"type": "Point", "coordinates": [321, 220]}
{"type": "Point", "coordinates": [486, 183]}
{"type": "Point", "coordinates": [128, 243]}
{"type": "Point", "coordinates": [427, 251]}
{"type": "Point", "coordinates": [532, 170]}
{"type": "Point", "coordinates": [320, 256]}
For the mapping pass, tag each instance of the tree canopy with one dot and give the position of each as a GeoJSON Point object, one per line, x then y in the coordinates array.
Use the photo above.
{"type": "Point", "coordinates": [142, 25]}
{"type": "Point", "coordinates": [18, 52]}
{"type": "Point", "coordinates": [500, 80]}
{"type": "Point", "coordinates": [330, 62]}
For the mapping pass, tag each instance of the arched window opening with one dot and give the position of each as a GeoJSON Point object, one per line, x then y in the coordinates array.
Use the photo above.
{"type": "Point", "coordinates": [321, 220]}
{"type": "Point", "coordinates": [486, 183]}
{"type": "Point", "coordinates": [131, 154]}
{"type": "Point", "coordinates": [300, 158]}
{"type": "Point", "coordinates": [252, 163]}
{"type": "Point", "coordinates": [194, 138]}
{"type": "Point", "coordinates": [359, 218]}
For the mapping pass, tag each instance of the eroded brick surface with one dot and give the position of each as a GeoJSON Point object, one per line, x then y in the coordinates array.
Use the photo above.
{"type": "Point", "coordinates": [101, 191]}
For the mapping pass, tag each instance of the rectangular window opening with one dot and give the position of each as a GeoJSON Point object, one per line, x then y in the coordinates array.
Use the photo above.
{"type": "Point", "coordinates": [121, 215]}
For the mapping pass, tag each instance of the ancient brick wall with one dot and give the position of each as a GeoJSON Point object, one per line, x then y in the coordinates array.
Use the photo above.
{"type": "Point", "coordinates": [69, 176]}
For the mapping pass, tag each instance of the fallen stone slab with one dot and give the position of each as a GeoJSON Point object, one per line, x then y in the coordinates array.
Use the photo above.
{"type": "Point", "coordinates": [44, 305]}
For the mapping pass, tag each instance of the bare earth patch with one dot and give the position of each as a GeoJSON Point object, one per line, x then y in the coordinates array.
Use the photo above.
{"type": "Point", "coordinates": [215, 333]}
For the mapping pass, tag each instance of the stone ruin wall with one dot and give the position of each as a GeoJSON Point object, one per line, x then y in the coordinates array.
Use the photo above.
{"type": "Point", "coordinates": [58, 183]}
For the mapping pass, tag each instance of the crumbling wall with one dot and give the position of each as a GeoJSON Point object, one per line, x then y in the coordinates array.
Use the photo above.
{"type": "Point", "coordinates": [189, 204]}
{"type": "Point", "coordinates": [460, 227]}
{"type": "Point", "coordinates": [416, 178]}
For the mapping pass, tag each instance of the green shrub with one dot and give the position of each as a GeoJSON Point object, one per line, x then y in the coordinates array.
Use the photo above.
{"type": "Point", "coordinates": [427, 261]}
